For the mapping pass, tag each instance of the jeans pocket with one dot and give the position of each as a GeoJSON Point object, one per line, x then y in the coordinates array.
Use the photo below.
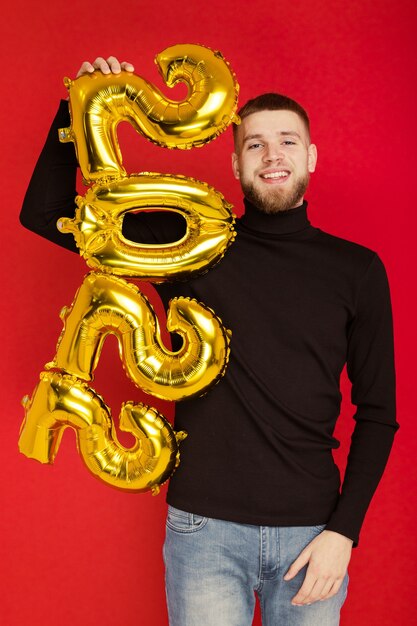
{"type": "Point", "coordinates": [184, 522]}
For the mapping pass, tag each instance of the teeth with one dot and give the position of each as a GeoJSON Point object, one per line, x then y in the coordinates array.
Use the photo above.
{"type": "Point", "coordinates": [275, 175]}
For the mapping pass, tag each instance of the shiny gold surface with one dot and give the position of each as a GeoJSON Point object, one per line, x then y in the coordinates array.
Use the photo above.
{"type": "Point", "coordinates": [61, 401]}
{"type": "Point", "coordinates": [108, 305]}
{"type": "Point", "coordinates": [98, 221]}
{"type": "Point", "coordinates": [98, 102]}
{"type": "Point", "coordinates": [105, 303]}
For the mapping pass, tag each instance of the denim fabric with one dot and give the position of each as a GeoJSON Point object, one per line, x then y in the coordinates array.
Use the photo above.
{"type": "Point", "coordinates": [214, 568]}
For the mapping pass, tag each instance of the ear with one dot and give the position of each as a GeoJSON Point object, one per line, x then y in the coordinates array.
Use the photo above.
{"type": "Point", "coordinates": [235, 165]}
{"type": "Point", "coordinates": [312, 157]}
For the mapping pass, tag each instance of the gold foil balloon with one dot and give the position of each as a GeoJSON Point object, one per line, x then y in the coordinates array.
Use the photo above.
{"type": "Point", "coordinates": [106, 303]}
{"type": "Point", "coordinates": [98, 102]}
{"type": "Point", "coordinates": [97, 227]}
{"type": "Point", "coordinates": [61, 401]}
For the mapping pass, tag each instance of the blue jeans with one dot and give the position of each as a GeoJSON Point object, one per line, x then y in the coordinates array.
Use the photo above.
{"type": "Point", "coordinates": [214, 568]}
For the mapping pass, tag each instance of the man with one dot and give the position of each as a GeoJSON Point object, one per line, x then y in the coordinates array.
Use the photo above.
{"type": "Point", "coordinates": [255, 505]}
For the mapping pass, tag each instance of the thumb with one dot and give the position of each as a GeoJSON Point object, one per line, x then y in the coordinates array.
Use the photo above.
{"type": "Point", "coordinates": [298, 564]}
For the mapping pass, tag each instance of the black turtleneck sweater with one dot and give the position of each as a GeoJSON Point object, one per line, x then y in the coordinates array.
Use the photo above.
{"type": "Point", "coordinates": [300, 303]}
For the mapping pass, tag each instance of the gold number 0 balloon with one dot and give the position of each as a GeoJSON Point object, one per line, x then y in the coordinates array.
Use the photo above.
{"type": "Point", "coordinates": [106, 304]}
{"type": "Point", "coordinates": [97, 227]}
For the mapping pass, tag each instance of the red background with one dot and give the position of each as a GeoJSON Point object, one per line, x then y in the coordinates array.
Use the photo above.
{"type": "Point", "coordinates": [74, 551]}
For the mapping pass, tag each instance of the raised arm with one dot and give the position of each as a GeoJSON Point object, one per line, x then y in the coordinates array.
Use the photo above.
{"type": "Point", "coordinates": [52, 188]}
{"type": "Point", "coordinates": [51, 192]}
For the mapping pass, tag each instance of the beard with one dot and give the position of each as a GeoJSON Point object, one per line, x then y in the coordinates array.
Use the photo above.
{"type": "Point", "coordinates": [275, 200]}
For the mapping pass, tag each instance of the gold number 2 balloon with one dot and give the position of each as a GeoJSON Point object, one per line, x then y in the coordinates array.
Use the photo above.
{"type": "Point", "coordinates": [106, 303]}
{"type": "Point", "coordinates": [98, 102]}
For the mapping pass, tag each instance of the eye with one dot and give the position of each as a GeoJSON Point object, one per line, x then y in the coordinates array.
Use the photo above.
{"type": "Point", "coordinates": [253, 146]}
{"type": "Point", "coordinates": [289, 142]}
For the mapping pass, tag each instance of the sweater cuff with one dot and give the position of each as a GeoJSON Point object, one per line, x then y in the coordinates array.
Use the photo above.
{"type": "Point", "coordinates": [340, 526]}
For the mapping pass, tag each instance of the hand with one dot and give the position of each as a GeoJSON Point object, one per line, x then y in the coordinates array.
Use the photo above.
{"type": "Point", "coordinates": [105, 65]}
{"type": "Point", "coordinates": [328, 556]}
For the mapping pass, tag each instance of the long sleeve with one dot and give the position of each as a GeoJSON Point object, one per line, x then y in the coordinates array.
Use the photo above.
{"type": "Point", "coordinates": [370, 366]}
{"type": "Point", "coordinates": [52, 190]}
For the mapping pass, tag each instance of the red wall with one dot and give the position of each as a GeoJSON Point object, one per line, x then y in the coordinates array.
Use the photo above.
{"type": "Point", "coordinates": [74, 551]}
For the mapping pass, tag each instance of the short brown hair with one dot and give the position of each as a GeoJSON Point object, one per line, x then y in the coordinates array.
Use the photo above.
{"type": "Point", "coordinates": [272, 102]}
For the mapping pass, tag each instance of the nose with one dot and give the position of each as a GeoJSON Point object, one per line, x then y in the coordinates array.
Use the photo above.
{"type": "Point", "coordinates": [273, 153]}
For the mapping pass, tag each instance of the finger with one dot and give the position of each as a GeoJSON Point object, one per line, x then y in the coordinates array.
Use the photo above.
{"type": "Point", "coordinates": [327, 589]}
{"type": "Point", "coordinates": [320, 590]}
{"type": "Point", "coordinates": [114, 65]}
{"type": "Point", "coordinates": [127, 66]}
{"type": "Point", "coordinates": [333, 590]}
{"type": "Point", "coordinates": [102, 65]}
{"type": "Point", "coordinates": [298, 564]}
{"type": "Point", "coordinates": [323, 590]}
{"type": "Point", "coordinates": [86, 68]}
{"type": "Point", "coordinates": [308, 597]}
{"type": "Point", "coordinates": [305, 589]}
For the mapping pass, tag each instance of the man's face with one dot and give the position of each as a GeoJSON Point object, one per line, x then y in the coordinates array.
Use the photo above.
{"type": "Point", "coordinates": [273, 159]}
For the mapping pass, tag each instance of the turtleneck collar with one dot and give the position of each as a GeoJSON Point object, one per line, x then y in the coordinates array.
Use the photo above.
{"type": "Point", "coordinates": [283, 223]}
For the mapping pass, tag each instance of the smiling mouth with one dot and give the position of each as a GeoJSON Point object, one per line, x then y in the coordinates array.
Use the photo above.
{"type": "Point", "coordinates": [280, 176]}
